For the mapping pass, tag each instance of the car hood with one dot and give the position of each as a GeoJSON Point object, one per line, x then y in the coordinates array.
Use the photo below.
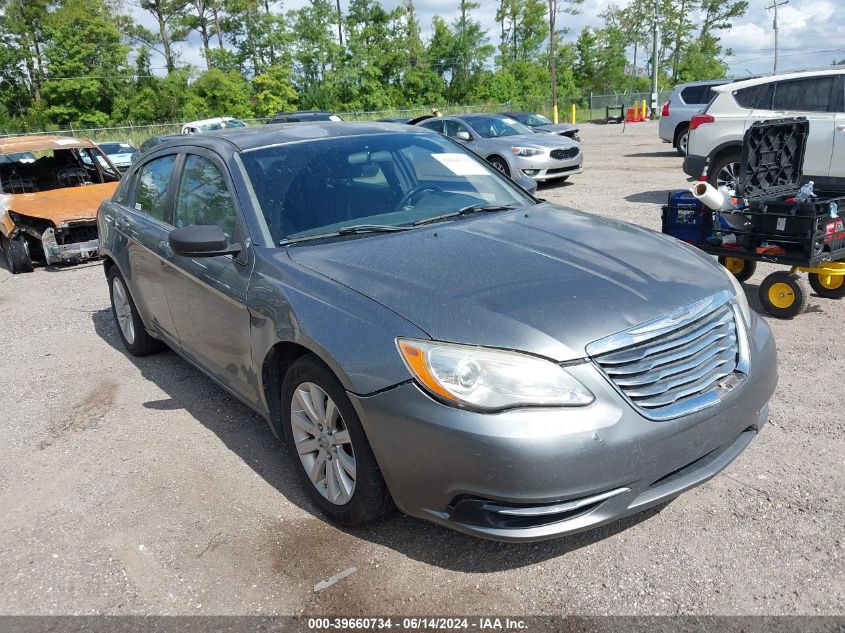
{"type": "Point", "coordinates": [543, 279]}
{"type": "Point", "coordinates": [538, 139]}
{"type": "Point", "coordinates": [557, 128]}
{"type": "Point", "coordinates": [60, 205]}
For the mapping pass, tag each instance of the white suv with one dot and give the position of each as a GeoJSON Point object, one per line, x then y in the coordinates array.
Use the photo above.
{"type": "Point", "coordinates": [717, 133]}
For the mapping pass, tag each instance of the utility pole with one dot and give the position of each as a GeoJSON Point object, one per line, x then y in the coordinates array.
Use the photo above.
{"type": "Point", "coordinates": [339, 24]}
{"type": "Point", "coordinates": [775, 4]}
{"type": "Point", "coordinates": [553, 55]}
{"type": "Point", "coordinates": [654, 47]}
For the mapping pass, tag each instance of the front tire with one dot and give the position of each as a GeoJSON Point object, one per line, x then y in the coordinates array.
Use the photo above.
{"type": "Point", "coordinates": [328, 445]}
{"type": "Point", "coordinates": [130, 327]}
{"type": "Point", "coordinates": [16, 250]}
{"type": "Point", "coordinates": [782, 295]}
{"type": "Point", "coordinates": [499, 163]}
{"type": "Point", "coordinates": [740, 268]}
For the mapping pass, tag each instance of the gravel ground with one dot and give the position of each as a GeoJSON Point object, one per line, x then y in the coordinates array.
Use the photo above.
{"type": "Point", "coordinates": [134, 486]}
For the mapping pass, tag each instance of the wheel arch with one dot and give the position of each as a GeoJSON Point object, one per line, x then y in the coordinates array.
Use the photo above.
{"type": "Point", "coordinates": [683, 125]}
{"type": "Point", "coordinates": [277, 361]}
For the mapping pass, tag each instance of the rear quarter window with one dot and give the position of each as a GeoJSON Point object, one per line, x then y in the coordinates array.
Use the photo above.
{"type": "Point", "coordinates": [758, 96]}
{"type": "Point", "coordinates": [694, 95]}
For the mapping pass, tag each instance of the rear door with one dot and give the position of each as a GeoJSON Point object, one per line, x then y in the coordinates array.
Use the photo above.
{"type": "Point", "coordinates": [140, 232]}
{"type": "Point", "coordinates": [207, 295]}
{"type": "Point", "coordinates": [837, 161]}
{"type": "Point", "coordinates": [810, 97]}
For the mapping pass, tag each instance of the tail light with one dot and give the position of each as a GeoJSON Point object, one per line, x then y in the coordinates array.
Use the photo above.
{"type": "Point", "coordinates": [665, 111]}
{"type": "Point", "coordinates": [700, 119]}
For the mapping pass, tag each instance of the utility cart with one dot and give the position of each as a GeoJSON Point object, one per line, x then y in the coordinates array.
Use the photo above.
{"type": "Point", "coordinates": [773, 221]}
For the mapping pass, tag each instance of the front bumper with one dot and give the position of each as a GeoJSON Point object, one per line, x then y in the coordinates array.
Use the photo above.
{"type": "Point", "coordinates": [546, 168]}
{"type": "Point", "coordinates": [694, 165]}
{"type": "Point", "coordinates": [533, 474]}
{"type": "Point", "coordinates": [74, 252]}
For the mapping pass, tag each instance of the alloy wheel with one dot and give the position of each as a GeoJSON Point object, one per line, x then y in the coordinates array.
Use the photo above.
{"type": "Point", "coordinates": [728, 175]}
{"type": "Point", "coordinates": [123, 310]}
{"type": "Point", "coordinates": [323, 443]}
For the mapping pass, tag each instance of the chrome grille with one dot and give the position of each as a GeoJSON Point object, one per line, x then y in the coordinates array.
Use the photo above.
{"type": "Point", "coordinates": [680, 369]}
{"type": "Point", "coordinates": [562, 154]}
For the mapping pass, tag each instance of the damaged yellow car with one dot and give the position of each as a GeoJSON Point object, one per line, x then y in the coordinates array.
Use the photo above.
{"type": "Point", "coordinates": [50, 189]}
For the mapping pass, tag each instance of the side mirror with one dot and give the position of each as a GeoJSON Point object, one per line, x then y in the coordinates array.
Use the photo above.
{"type": "Point", "coordinates": [529, 184]}
{"type": "Point", "coordinates": [463, 135]}
{"type": "Point", "coordinates": [201, 241]}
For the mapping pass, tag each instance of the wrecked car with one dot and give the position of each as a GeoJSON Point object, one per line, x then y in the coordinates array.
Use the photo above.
{"type": "Point", "coordinates": [50, 188]}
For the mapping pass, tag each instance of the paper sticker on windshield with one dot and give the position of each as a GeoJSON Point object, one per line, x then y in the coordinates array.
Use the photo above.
{"type": "Point", "coordinates": [461, 165]}
{"type": "Point", "coordinates": [509, 121]}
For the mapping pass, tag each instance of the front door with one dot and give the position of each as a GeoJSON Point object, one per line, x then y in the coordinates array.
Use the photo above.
{"type": "Point", "coordinates": [144, 227]}
{"type": "Point", "coordinates": [207, 295]}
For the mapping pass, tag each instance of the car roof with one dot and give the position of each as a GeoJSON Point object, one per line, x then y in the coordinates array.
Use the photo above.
{"type": "Point", "coordinates": [702, 82]}
{"type": "Point", "coordinates": [35, 143]}
{"type": "Point", "coordinates": [243, 139]}
{"type": "Point", "coordinates": [756, 81]}
{"type": "Point", "coordinates": [217, 119]}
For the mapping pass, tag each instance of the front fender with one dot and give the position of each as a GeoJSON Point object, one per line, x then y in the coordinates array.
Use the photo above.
{"type": "Point", "coordinates": [353, 334]}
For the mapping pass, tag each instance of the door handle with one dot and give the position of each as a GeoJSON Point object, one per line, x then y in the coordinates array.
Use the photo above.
{"type": "Point", "coordinates": [165, 249]}
{"type": "Point", "coordinates": [121, 224]}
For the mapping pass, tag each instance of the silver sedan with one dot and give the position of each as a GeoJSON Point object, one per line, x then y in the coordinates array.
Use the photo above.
{"type": "Point", "coordinates": [511, 147]}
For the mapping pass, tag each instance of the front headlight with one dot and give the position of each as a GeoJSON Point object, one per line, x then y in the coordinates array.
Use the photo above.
{"type": "Point", "coordinates": [490, 379]}
{"type": "Point", "coordinates": [526, 151]}
{"type": "Point", "coordinates": [740, 299]}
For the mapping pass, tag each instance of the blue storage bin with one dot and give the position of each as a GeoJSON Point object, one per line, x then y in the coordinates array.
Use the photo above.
{"type": "Point", "coordinates": [685, 218]}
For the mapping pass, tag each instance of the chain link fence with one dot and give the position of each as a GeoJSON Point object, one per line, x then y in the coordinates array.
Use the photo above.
{"type": "Point", "coordinates": [588, 108]}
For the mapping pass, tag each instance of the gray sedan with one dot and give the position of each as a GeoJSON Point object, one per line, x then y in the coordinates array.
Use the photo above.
{"type": "Point", "coordinates": [511, 147]}
{"type": "Point", "coordinates": [422, 332]}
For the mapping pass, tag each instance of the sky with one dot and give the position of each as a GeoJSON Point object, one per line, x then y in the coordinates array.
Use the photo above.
{"type": "Point", "coordinates": [811, 34]}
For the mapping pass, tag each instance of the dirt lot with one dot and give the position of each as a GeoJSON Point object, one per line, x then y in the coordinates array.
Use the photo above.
{"type": "Point", "coordinates": [136, 486]}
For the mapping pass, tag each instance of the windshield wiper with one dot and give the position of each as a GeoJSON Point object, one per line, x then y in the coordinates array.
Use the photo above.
{"type": "Point", "coordinates": [348, 230]}
{"type": "Point", "coordinates": [478, 207]}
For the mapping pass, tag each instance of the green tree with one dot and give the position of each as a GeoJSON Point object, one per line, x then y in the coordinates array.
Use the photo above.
{"type": "Point", "coordinates": [273, 91]}
{"type": "Point", "coordinates": [22, 25]}
{"type": "Point", "coordinates": [700, 60]}
{"type": "Point", "coordinates": [86, 61]}
{"type": "Point", "coordinates": [170, 16]}
{"type": "Point", "coordinates": [223, 93]}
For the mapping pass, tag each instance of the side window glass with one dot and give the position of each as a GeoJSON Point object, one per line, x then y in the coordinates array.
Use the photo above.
{"type": "Point", "coordinates": [151, 190]}
{"type": "Point", "coordinates": [435, 125]}
{"type": "Point", "coordinates": [453, 127]}
{"type": "Point", "coordinates": [203, 197]}
{"type": "Point", "coordinates": [694, 95]}
{"type": "Point", "coordinates": [805, 95]}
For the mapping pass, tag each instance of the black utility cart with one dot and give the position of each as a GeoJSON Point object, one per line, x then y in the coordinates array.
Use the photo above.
{"type": "Point", "coordinates": [771, 224]}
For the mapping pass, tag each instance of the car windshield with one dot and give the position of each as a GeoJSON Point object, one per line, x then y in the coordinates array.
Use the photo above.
{"type": "Point", "coordinates": [115, 149]}
{"type": "Point", "coordinates": [389, 180]}
{"type": "Point", "coordinates": [535, 119]}
{"type": "Point", "coordinates": [494, 127]}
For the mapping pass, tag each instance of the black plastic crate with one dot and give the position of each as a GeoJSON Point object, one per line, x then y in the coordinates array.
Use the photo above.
{"type": "Point", "coordinates": [772, 158]}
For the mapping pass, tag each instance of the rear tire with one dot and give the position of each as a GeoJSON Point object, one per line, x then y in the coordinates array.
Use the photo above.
{"type": "Point", "coordinates": [16, 250]}
{"type": "Point", "coordinates": [682, 141]}
{"type": "Point", "coordinates": [832, 287]}
{"type": "Point", "coordinates": [724, 171]}
{"type": "Point", "coordinates": [130, 327]}
{"type": "Point", "coordinates": [347, 483]}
